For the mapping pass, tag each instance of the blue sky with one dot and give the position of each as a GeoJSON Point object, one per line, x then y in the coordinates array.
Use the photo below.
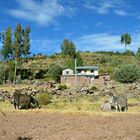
{"type": "Point", "coordinates": [93, 25]}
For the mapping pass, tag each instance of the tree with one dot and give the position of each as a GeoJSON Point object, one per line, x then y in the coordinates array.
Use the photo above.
{"type": "Point", "coordinates": [17, 47]}
{"type": "Point", "coordinates": [126, 39]}
{"type": "Point", "coordinates": [7, 43]}
{"type": "Point", "coordinates": [138, 52]}
{"type": "Point", "coordinates": [68, 48]}
{"type": "Point", "coordinates": [6, 49]}
{"type": "Point", "coordinates": [26, 42]}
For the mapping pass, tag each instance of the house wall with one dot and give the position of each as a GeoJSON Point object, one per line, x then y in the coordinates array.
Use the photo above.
{"type": "Point", "coordinates": [71, 80]}
{"type": "Point", "coordinates": [83, 80]}
{"type": "Point", "coordinates": [96, 72]}
{"type": "Point", "coordinates": [70, 72]}
{"type": "Point", "coordinates": [102, 80]}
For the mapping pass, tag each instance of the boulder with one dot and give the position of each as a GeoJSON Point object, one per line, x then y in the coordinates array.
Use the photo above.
{"type": "Point", "coordinates": [106, 107]}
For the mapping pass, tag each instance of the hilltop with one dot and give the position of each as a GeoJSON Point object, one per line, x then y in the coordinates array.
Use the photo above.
{"type": "Point", "coordinates": [106, 62]}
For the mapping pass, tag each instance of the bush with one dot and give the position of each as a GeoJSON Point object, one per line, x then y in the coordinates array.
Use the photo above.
{"type": "Point", "coordinates": [54, 72]}
{"type": "Point", "coordinates": [62, 87]}
{"type": "Point", "coordinates": [128, 73]}
{"type": "Point", "coordinates": [44, 98]}
{"type": "Point", "coordinates": [94, 88]}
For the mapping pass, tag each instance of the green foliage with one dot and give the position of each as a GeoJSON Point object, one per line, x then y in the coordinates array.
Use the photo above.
{"type": "Point", "coordinates": [62, 87]}
{"type": "Point", "coordinates": [7, 43]}
{"type": "Point", "coordinates": [68, 48]}
{"type": "Point", "coordinates": [126, 39]}
{"type": "Point", "coordinates": [17, 45]}
{"type": "Point", "coordinates": [138, 52]}
{"type": "Point", "coordinates": [11, 66]}
{"type": "Point", "coordinates": [14, 46]}
{"type": "Point", "coordinates": [128, 52]}
{"type": "Point", "coordinates": [44, 98]}
{"type": "Point", "coordinates": [79, 59]}
{"type": "Point", "coordinates": [104, 59]}
{"type": "Point", "coordinates": [26, 42]}
{"type": "Point", "coordinates": [54, 72]}
{"type": "Point", "coordinates": [94, 88]}
{"type": "Point", "coordinates": [128, 73]}
{"type": "Point", "coordinates": [1, 74]}
{"type": "Point", "coordinates": [70, 62]}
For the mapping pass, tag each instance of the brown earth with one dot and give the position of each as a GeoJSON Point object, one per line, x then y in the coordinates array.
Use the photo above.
{"type": "Point", "coordinates": [42, 125]}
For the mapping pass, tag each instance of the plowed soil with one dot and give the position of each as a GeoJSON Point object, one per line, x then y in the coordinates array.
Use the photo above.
{"type": "Point", "coordinates": [35, 125]}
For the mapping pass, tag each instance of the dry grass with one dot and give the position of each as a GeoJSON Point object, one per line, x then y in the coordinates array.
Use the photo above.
{"type": "Point", "coordinates": [11, 87]}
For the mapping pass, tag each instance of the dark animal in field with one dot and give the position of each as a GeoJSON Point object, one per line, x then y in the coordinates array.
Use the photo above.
{"type": "Point", "coordinates": [24, 99]}
{"type": "Point", "coordinates": [119, 102]}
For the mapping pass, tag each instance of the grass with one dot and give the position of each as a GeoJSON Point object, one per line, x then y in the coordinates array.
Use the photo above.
{"type": "Point", "coordinates": [12, 87]}
{"type": "Point", "coordinates": [134, 100]}
{"type": "Point", "coordinates": [6, 105]}
{"type": "Point", "coordinates": [78, 104]}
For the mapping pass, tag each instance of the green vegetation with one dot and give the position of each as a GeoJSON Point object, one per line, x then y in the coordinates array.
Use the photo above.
{"type": "Point", "coordinates": [68, 48]}
{"type": "Point", "coordinates": [126, 39]}
{"type": "Point", "coordinates": [128, 73]}
{"type": "Point", "coordinates": [44, 98]}
{"type": "Point", "coordinates": [14, 47]}
{"type": "Point", "coordinates": [138, 52]}
{"type": "Point", "coordinates": [54, 72]}
{"type": "Point", "coordinates": [62, 87]}
{"type": "Point", "coordinates": [19, 65]}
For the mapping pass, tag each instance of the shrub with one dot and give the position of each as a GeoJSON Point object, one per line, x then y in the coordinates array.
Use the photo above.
{"type": "Point", "coordinates": [62, 87]}
{"type": "Point", "coordinates": [94, 88]}
{"type": "Point", "coordinates": [54, 72]}
{"type": "Point", "coordinates": [44, 98]}
{"type": "Point", "coordinates": [128, 73]}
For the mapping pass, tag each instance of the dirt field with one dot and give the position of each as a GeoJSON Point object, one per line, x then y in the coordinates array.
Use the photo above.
{"type": "Point", "coordinates": [37, 125]}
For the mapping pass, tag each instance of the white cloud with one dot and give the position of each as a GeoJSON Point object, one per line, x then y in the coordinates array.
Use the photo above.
{"type": "Point", "coordinates": [43, 13]}
{"type": "Point", "coordinates": [105, 42]}
{"type": "Point", "coordinates": [99, 24]}
{"type": "Point", "coordinates": [91, 42]}
{"type": "Point", "coordinates": [45, 46]}
{"type": "Point", "coordinates": [120, 12]}
{"type": "Point", "coordinates": [105, 7]}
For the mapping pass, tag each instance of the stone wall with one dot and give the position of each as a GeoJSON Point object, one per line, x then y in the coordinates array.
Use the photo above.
{"type": "Point", "coordinates": [83, 80]}
{"type": "Point", "coordinates": [74, 81]}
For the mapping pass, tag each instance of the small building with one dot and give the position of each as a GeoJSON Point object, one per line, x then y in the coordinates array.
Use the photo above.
{"type": "Point", "coordinates": [83, 76]}
{"type": "Point", "coordinates": [67, 72]}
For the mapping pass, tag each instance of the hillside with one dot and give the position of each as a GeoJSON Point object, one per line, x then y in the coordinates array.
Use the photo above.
{"type": "Point", "coordinates": [106, 62]}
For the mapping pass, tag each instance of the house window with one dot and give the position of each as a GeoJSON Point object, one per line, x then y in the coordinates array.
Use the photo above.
{"type": "Point", "coordinates": [92, 71]}
{"type": "Point", "coordinates": [67, 72]}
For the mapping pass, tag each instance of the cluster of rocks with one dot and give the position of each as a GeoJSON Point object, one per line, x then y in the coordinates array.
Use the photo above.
{"type": "Point", "coordinates": [7, 95]}
{"type": "Point", "coordinates": [127, 90]}
{"type": "Point", "coordinates": [27, 91]}
{"type": "Point", "coordinates": [4, 94]}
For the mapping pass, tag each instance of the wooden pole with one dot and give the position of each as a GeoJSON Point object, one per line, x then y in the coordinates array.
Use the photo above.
{"type": "Point", "coordinates": [75, 72]}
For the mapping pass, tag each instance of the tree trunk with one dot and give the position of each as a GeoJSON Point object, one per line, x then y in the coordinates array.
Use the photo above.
{"type": "Point", "coordinates": [15, 72]}
{"type": "Point", "coordinates": [125, 47]}
{"type": "Point", "coordinates": [4, 73]}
